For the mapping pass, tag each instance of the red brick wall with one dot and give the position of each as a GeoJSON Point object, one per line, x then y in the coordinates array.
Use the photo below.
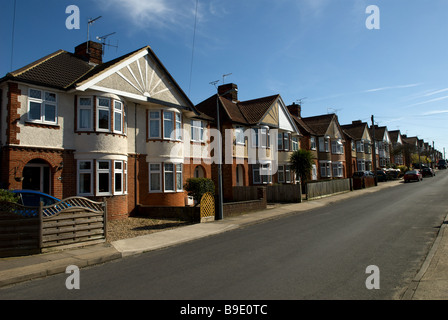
{"type": "Point", "coordinates": [13, 105]}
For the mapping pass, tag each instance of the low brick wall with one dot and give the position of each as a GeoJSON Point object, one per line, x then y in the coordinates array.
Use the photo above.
{"type": "Point", "coordinates": [240, 207]}
{"type": "Point", "coordinates": [362, 183]}
{"type": "Point", "coordinates": [192, 214]}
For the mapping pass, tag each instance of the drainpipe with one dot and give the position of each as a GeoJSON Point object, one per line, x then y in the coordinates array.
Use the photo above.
{"type": "Point", "coordinates": [135, 151]}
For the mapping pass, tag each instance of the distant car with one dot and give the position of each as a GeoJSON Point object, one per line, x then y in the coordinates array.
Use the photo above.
{"type": "Point", "coordinates": [362, 174]}
{"type": "Point", "coordinates": [381, 175]}
{"type": "Point", "coordinates": [428, 172]}
{"type": "Point", "coordinates": [442, 164]}
{"type": "Point", "coordinates": [412, 175]}
{"type": "Point", "coordinates": [31, 198]}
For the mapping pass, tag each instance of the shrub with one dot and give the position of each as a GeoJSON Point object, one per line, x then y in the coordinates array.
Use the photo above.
{"type": "Point", "coordinates": [197, 187]}
{"type": "Point", "coordinates": [8, 196]}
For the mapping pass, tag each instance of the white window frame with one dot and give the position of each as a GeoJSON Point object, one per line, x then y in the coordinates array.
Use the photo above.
{"type": "Point", "coordinates": [256, 168]}
{"type": "Point", "coordinates": [337, 147]}
{"type": "Point", "coordinates": [197, 130]}
{"type": "Point", "coordinates": [43, 102]}
{"type": "Point", "coordinates": [325, 169]}
{"type": "Point", "coordinates": [313, 143]}
{"type": "Point", "coordinates": [280, 141]}
{"type": "Point", "coordinates": [103, 171]}
{"type": "Point", "coordinates": [313, 172]}
{"type": "Point", "coordinates": [158, 121]}
{"type": "Point", "coordinates": [119, 171]}
{"type": "Point", "coordinates": [171, 135]}
{"type": "Point", "coordinates": [118, 114]}
{"type": "Point", "coordinates": [288, 177]}
{"type": "Point", "coordinates": [338, 169]}
{"type": "Point", "coordinates": [286, 141]}
{"type": "Point", "coordinates": [178, 125]}
{"type": "Point", "coordinates": [165, 172]}
{"type": "Point", "coordinates": [179, 176]}
{"type": "Point", "coordinates": [324, 144]}
{"type": "Point", "coordinates": [239, 135]}
{"type": "Point", "coordinates": [295, 143]}
{"type": "Point", "coordinates": [89, 109]}
{"type": "Point", "coordinates": [100, 108]}
{"type": "Point", "coordinates": [361, 164]}
{"type": "Point", "coordinates": [281, 174]}
{"type": "Point", "coordinates": [155, 171]}
{"type": "Point", "coordinates": [360, 146]}
{"type": "Point", "coordinates": [82, 172]}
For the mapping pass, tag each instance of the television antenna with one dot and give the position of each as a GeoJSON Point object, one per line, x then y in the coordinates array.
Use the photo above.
{"type": "Point", "coordinates": [300, 101]}
{"type": "Point", "coordinates": [214, 83]}
{"type": "Point", "coordinates": [225, 75]}
{"type": "Point", "coordinates": [103, 41]}
{"type": "Point", "coordinates": [89, 23]}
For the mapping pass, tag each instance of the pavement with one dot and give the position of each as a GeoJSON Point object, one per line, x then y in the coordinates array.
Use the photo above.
{"type": "Point", "coordinates": [430, 283]}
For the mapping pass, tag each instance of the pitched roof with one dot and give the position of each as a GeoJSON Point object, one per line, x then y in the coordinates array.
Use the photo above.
{"type": "Point", "coordinates": [58, 70]}
{"type": "Point", "coordinates": [248, 112]}
{"type": "Point", "coordinates": [254, 110]}
{"type": "Point", "coordinates": [355, 130]}
{"type": "Point", "coordinates": [379, 132]}
{"type": "Point", "coordinates": [394, 134]}
{"type": "Point", "coordinates": [319, 124]}
{"type": "Point", "coordinates": [303, 127]}
{"type": "Point", "coordinates": [64, 70]}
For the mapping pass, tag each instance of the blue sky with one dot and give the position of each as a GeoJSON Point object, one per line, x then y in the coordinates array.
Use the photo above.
{"type": "Point", "coordinates": [317, 51]}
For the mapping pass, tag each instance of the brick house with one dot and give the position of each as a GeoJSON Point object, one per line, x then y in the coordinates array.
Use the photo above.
{"type": "Point", "coordinates": [362, 145]}
{"type": "Point", "coordinates": [258, 137]}
{"type": "Point", "coordinates": [325, 138]}
{"type": "Point", "coordinates": [396, 143]}
{"type": "Point", "coordinates": [382, 145]}
{"type": "Point", "coordinates": [308, 138]}
{"type": "Point", "coordinates": [73, 125]}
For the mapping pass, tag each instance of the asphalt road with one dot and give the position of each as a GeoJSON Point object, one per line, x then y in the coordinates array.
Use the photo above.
{"type": "Point", "coordinates": [317, 254]}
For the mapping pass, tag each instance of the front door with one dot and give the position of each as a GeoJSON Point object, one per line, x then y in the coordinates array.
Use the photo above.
{"type": "Point", "coordinates": [36, 177]}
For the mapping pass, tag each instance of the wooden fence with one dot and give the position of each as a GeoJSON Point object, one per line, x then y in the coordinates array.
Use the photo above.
{"type": "Point", "coordinates": [72, 222]}
{"type": "Point", "coordinates": [324, 188]}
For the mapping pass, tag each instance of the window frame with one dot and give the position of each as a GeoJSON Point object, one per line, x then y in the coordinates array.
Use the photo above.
{"type": "Point", "coordinates": [197, 127]}
{"type": "Point", "coordinates": [88, 108]}
{"type": "Point", "coordinates": [121, 173]}
{"type": "Point", "coordinates": [154, 171]}
{"type": "Point", "coordinates": [158, 120]}
{"type": "Point", "coordinates": [165, 172]}
{"type": "Point", "coordinates": [103, 171]}
{"type": "Point", "coordinates": [82, 172]}
{"type": "Point", "coordinates": [43, 103]}
{"type": "Point", "coordinates": [107, 109]}
{"type": "Point", "coordinates": [118, 113]}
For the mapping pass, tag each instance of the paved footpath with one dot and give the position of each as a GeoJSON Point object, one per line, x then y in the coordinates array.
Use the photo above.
{"type": "Point", "coordinates": [431, 282]}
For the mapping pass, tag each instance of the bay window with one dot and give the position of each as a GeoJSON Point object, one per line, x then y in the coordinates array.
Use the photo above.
{"type": "Point", "coordinates": [118, 117]}
{"type": "Point", "coordinates": [154, 125]}
{"type": "Point", "coordinates": [168, 180]}
{"type": "Point", "coordinates": [103, 177]}
{"type": "Point", "coordinates": [197, 131]}
{"type": "Point", "coordinates": [325, 169]}
{"type": "Point", "coordinates": [155, 177]}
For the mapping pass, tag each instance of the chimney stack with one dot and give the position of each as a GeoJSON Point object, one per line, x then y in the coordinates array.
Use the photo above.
{"type": "Point", "coordinates": [90, 51]}
{"type": "Point", "coordinates": [229, 91]}
{"type": "Point", "coordinates": [295, 109]}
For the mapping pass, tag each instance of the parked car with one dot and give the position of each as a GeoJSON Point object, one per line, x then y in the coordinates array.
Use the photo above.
{"type": "Point", "coordinates": [31, 198]}
{"type": "Point", "coordinates": [361, 174]}
{"type": "Point", "coordinates": [413, 175]}
{"type": "Point", "coordinates": [428, 172]}
{"type": "Point", "coordinates": [381, 175]}
{"type": "Point", "coordinates": [442, 164]}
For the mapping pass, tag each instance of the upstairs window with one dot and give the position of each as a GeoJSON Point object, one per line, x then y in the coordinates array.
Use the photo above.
{"type": "Point", "coordinates": [239, 135]}
{"type": "Point", "coordinates": [197, 131]}
{"type": "Point", "coordinates": [118, 117]}
{"type": "Point", "coordinates": [85, 114]}
{"type": "Point", "coordinates": [154, 125]}
{"type": "Point", "coordinates": [103, 114]}
{"type": "Point", "coordinates": [42, 107]}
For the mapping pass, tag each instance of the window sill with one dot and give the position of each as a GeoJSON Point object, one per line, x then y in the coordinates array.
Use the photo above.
{"type": "Point", "coordinates": [42, 125]}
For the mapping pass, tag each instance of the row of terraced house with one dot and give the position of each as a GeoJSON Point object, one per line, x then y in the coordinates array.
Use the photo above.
{"type": "Point", "coordinates": [71, 124]}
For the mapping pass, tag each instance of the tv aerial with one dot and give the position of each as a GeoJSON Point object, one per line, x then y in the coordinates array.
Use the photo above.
{"type": "Point", "coordinates": [102, 39]}
{"type": "Point", "coordinates": [89, 23]}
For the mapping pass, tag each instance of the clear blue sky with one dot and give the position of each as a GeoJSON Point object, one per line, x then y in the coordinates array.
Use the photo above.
{"type": "Point", "coordinates": [317, 50]}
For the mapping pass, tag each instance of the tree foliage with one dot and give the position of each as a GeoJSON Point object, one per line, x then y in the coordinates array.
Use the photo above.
{"type": "Point", "coordinates": [301, 163]}
{"type": "Point", "coordinates": [197, 187]}
{"type": "Point", "coordinates": [8, 196]}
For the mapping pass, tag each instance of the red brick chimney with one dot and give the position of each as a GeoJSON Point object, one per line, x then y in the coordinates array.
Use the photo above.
{"type": "Point", "coordinates": [229, 91]}
{"type": "Point", "coordinates": [90, 51]}
{"type": "Point", "coordinates": [295, 109]}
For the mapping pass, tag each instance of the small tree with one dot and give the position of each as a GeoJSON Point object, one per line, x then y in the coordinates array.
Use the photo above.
{"type": "Point", "coordinates": [197, 187]}
{"type": "Point", "coordinates": [301, 163]}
